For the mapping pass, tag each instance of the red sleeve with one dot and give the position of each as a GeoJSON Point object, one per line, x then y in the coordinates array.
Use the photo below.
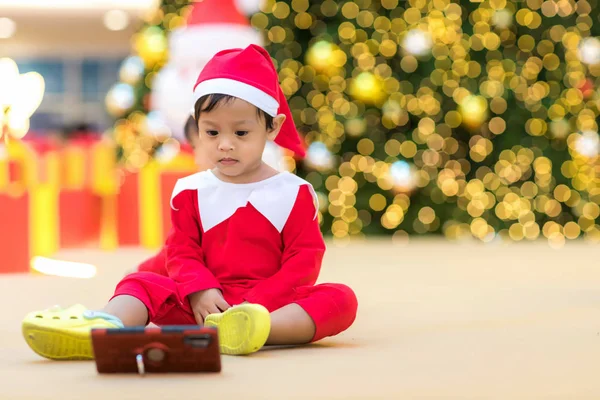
{"type": "Point", "coordinates": [303, 250]}
{"type": "Point", "coordinates": [185, 259]}
{"type": "Point", "coordinates": [155, 264]}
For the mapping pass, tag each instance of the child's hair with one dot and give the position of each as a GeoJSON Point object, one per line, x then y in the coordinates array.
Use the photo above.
{"type": "Point", "coordinates": [210, 101]}
{"type": "Point", "coordinates": [190, 129]}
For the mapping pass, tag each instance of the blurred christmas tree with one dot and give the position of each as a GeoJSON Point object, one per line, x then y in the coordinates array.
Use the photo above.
{"type": "Point", "coordinates": [461, 118]}
{"type": "Point", "coordinates": [138, 132]}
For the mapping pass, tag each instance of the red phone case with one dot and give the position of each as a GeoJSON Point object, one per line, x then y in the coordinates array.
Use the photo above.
{"type": "Point", "coordinates": [156, 350]}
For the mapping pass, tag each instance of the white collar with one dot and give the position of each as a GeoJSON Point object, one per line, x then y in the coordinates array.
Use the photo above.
{"type": "Point", "coordinates": [273, 197]}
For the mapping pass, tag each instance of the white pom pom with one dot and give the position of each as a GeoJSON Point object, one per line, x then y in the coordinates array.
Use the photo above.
{"type": "Point", "coordinates": [249, 7]}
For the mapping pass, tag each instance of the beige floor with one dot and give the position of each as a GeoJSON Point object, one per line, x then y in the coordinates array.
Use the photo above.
{"type": "Point", "coordinates": [436, 321]}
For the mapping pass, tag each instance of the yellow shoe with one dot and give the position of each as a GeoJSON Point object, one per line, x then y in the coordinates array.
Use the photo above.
{"type": "Point", "coordinates": [242, 329]}
{"type": "Point", "coordinates": [64, 334]}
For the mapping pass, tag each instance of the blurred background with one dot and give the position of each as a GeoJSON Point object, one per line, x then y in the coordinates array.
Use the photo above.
{"type": "Point", "coordinates": [461, 120]}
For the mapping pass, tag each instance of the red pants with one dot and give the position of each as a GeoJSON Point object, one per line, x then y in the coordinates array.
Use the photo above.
{"type": "Point", "coordinates": [331, 306]}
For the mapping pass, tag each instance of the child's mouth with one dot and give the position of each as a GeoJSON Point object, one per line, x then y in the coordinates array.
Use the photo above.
{"type": "Point", "coordinates": [227, 161]}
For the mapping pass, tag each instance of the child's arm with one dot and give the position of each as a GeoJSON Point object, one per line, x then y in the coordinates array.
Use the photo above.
{"type": "Point", "coordinates": [302, 256]}
{"type": "Point", "coordinates": [185, 259]}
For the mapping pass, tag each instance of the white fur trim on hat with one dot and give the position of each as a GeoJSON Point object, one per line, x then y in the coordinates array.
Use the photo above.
{"type": "Point", "coordinates": [238, 89]}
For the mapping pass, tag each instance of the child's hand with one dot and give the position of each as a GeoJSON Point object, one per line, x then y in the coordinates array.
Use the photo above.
{"type": "Point", "coordinates": [206, 302]}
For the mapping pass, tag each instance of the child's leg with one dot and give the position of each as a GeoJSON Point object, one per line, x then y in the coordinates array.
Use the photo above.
{"type": "Point", "coordinates": [291, 325]}
{"type": "Point", "coordinates": [320, 311]}
{"type": "Point", "coordinates": [130, 310]}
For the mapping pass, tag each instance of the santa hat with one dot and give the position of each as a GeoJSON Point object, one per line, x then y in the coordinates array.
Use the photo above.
{"type": "Point", "coordinates": [249, 74]}
{"type": "Point", "coordinates": [211, 26]}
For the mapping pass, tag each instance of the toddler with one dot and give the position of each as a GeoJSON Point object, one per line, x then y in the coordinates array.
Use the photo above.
{"type": "Point", "coordinates": [245, 249]}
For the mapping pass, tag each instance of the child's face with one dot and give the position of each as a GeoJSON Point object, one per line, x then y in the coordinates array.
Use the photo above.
{"type": "Point", "coordinates": [201, 162]}
{"type": "Point", "coordinates": [232, 137]}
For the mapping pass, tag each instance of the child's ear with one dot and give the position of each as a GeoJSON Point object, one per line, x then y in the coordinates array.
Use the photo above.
{"type": "Point", "coordinates": [277, 124]}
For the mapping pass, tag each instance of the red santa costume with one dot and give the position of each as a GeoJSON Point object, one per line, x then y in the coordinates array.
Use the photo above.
{"type": "Point", "coordinates": [257, 242]}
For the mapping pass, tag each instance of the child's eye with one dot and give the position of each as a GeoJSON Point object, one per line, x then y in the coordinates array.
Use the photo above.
{"type": "Point", "coordinates": [241, 133]}
{"type": "Point", "coordinates": [212, 133]}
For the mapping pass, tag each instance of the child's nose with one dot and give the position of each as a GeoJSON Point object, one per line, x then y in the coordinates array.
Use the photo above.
{"type": "Point", "coordinates": [225, 145]}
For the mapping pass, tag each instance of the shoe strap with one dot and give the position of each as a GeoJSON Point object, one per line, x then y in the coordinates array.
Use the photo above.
{"type": "Point", "coordinates": [89, 314]}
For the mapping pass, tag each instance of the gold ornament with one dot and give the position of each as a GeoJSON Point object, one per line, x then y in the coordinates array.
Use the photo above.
{"type": "Point", "coordinates": [151, 45]}
{"type": "Point", "coordinates": [560, 129]}
{"type": "Point", "coordinates": [320, 55]}
{"type": "Point", "coordinates": [367, 87]}
{"type": "Point", "coordinates": [474, 111]}
{"type": "Point", "coordinates": [324, 56]}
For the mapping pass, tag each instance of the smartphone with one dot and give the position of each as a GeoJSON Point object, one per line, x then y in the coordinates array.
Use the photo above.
{"type": "Point", "coordinates": [142, 350]}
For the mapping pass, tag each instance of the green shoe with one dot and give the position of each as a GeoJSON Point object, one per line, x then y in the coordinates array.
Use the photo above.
{"type": "Point", "coordinates": [65, 334]}
{"type": "Point", "coordinates": [242, 329]}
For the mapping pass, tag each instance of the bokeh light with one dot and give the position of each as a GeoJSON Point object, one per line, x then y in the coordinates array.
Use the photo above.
{"type": "Point", "coordinates": [470, 119]}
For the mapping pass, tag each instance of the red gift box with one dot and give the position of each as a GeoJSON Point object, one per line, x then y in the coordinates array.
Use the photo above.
{"type": "Point", "coordinates": [80, 209]}
{"type": "Point", "coordinates": [14, 233]}
{"type": "Point", "coordinates": [143, 202]}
